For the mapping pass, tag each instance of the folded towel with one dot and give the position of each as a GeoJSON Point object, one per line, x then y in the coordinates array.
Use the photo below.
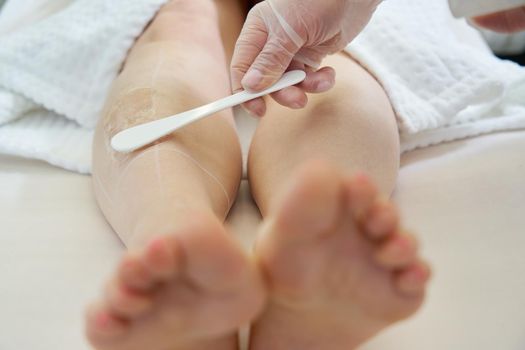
{"type": "Point", "coordinates": [441, 87]}
{"type": "Point", "coordinates": [56, 71]}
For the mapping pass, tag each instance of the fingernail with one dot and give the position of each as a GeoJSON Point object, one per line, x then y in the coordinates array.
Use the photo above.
{"type": "Point", "coordinates": [324, 86]}
{"type": "Point", "coordinates": [254, 109]}
{"type": "Point", "coordinates": [252, 79]}
{"type": "Point", "coordinates": [257, 113]}
{"type": "Point", "coordinates": [250, 112]}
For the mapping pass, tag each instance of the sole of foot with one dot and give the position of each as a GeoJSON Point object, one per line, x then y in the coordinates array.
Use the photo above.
{"type": "Point", "coordinates": [189, 290]}
{"type": "Point", "coordinates": [338, 266]}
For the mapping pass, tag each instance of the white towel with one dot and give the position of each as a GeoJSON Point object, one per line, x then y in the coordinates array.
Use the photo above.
{"type": "Point", "coordinates": [56, 68]}
{"type": "Point", "coordinates": [441, 85]}
{"type": "Point", "coordinates": [56, 72]}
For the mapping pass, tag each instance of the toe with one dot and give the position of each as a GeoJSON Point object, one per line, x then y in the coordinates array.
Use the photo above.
{"type": "Point", "coordinates": [380, 220]}
{"type": "Point", "coordinates": [412, 281]}
{"type": "Point", "coordinates": [397, 252]}
{"type": "Point", "coordinates": [311, 205]}
{"type": "Point", "coordinates": [215, 265]}
{"type": "Point", "coordinates": [160, 257]}
{"type": "Point", "coordinates": [361, 194]}
{"type": "Point", "coordinates": [126, 302]}
{"type": "Point", "coordinates": [102, 324]}
{"type": "Point", "coordinates": [134, 273]}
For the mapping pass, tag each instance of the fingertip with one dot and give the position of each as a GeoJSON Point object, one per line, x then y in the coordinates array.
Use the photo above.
{"type": "Point", "coordinates": [253, 80]}
{"type": "Point", "coordinates": [256, 108]}
{"type": "Point", "coordinates": [324, 86]}
{"type": "Point", "coordinates": [259, 79]}
{"type": "Point", "coordinates": [319, 81]}
{"type": "Point", "coordinates": [292, 97]}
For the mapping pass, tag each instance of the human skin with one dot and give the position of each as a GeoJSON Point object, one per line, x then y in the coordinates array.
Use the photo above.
{"type": "Point", "coordinates": [511, 21]}
{"type": "Point", "coordinates": [184, 282]}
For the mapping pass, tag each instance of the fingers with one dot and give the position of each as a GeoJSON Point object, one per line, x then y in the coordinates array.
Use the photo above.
{"type": "Point", "coordinates": [319, 81]}
{"type": "Point", "coordinates": [292, 97]}
{"type": "Point", "coordinates": [252, 40]}
{"type": "Point", "coordinates": [263, 53]}
{"type": "Point", "coordinates": [253, 52]}
{"type": "Point", "coordinates": [316, 82]}
{"type": "Point", "coordinates": [510, 21]}
{"type": "Point", "coordinates": [269, 65]}
{"type": "Point", "coordinates": [295, 97]}
{"type": "Point", "coordinates": [256, 107]}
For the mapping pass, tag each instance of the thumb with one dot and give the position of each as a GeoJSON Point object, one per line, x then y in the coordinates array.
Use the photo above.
{"type": "Point", "coordinates": [252, 40]}
{"type": "Point", "coordinates": [271, 63]}
{"type": "Point", "coordinates": [267, 46]}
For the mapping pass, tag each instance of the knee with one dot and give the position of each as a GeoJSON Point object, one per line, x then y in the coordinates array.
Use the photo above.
{"type": "Point", "coordinates": [365, 125]}
{"type": "Point", "coordinates": [359, 94]}
{"type": "Point", "coordinates": [359, 108]}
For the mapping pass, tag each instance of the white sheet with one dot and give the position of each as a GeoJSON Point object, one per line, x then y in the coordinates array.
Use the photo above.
{"type": "Point", "coordinates": [465, 199]}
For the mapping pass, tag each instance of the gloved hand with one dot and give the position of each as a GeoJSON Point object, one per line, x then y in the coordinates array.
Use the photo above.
{"type": "Point", "coordinates": [504, 22]}
{"type": "Point", "coordinates": [281, 35]}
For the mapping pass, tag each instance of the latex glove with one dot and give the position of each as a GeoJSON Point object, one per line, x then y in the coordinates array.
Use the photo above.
{"type": "Point", "coordinates": [510, 21]}
{"type": "Point", "coordinates": [281, 35]}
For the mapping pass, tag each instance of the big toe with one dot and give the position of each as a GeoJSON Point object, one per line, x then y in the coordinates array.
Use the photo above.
{"type": "Point", "coordinates": [161, 257]}
{"type": "Point", "coordinates": [312, 203]}
{"type": "Point", "coordinates": [211, 257]}
{"type": "Point", "coordinates": [214, 264]}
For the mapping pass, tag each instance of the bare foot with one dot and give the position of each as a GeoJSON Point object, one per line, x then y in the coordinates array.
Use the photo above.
{"type": "Point", "coordinates": [191, 290]}
{"type": "Point", "coordinates": [338, 266]}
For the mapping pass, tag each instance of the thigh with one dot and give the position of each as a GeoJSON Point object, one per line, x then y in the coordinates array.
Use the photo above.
{"type": "Point", "coordinates": [353, 126]}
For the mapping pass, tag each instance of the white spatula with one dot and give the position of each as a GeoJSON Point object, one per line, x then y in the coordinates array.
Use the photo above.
{"type": "Point", "coordinates": [139, 136]}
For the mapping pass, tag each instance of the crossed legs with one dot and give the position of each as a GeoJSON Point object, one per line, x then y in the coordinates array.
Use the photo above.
{"type": "Point", "coordinates": [184, 283]}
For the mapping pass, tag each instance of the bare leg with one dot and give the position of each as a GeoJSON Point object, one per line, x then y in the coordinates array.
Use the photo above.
{"type": "Point", "coordinates": [173, 67]}
{"type": "Point", "coordinates": [185, 284]}
{"type": "Point", "coordinates": [339, 267]}
{"type": "Point", "coordinates": [352, 126]}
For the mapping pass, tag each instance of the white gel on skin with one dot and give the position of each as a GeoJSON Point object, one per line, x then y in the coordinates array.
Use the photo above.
{"type": "Point", "coordinates": [142, 135]}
